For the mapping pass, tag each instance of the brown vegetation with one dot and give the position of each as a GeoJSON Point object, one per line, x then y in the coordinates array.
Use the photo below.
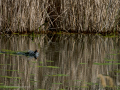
{"type": "Point", "coordinates": [103, 79]}
{"type": "Point", "coordinates": [70, 16]}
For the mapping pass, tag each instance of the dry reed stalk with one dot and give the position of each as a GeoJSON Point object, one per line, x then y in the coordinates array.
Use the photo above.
{"type": "Point", "coordinates": [78, 15]}
{"type": "Point", "coordinates": [117, 20]}
{"type": "Point", "coordinates": [111, 84]}
{"type": "Point", "coordinates": [103, 81]}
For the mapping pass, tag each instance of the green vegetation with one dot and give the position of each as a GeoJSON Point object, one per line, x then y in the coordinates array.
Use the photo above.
{"type": "Point", "coordinates": [49, 66]}
{"type": "Point", "coordinates": [49, 61]}
{"type": "Point", "coordinates": [57, 75]}
{"type": "Point", "coordinates": [11, 77]}
{"type": "Point", "coordinates": [10, 87]}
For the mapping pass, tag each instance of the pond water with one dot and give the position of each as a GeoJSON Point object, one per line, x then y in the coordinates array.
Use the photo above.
{"type": "Point", "coordinates": [65, 62]}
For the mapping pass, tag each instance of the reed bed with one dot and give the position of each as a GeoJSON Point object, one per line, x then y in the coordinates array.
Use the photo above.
{"type": "Point", "coordinates": [77, 15]}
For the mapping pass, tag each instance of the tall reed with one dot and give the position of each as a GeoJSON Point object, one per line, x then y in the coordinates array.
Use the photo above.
{"type": "Point", "coordinates": [78, 15]}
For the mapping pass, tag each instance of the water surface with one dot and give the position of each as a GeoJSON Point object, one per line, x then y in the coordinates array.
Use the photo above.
{"type": "Point", "coordinates": [65, 62]}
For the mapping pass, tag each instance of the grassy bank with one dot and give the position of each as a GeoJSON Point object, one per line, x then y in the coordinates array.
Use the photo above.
{"type": "Point", "coordinates": [71, 15]}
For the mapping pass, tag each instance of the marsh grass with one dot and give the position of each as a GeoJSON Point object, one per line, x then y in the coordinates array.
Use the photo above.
{"type": "Point", "coordinates": [76, 15]}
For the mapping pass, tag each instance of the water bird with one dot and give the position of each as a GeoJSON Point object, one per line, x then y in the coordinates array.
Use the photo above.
{"type": "Point", "coordinates": [29, 53]}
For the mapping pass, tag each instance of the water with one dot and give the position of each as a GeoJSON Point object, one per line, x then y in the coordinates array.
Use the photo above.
{"type": "Point", "coordinates": [65, 62]}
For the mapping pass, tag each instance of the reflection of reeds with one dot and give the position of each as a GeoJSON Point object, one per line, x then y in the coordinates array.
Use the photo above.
{"type": "Point", "coordinates": [103, 80]}
{"type": "Point", "coordinates": [111, 84]}
{"type": "Point", "coordinates": [80, 15]}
